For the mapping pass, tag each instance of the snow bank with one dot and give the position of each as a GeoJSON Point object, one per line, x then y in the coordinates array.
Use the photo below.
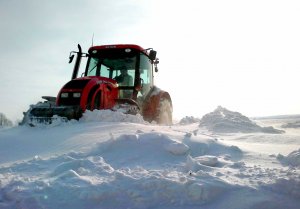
{"type": "Point", "coordinates": [224, 121]}
{"type": "Point", "coordinates": [292, 159]}
{"type": "Point", "coordinates": [140, 149]}
{"type": "Point", "coordinates": [130, 171]}
{"type": "Point", "coordinates": [91, 116]}
{"type": "Point", "coordinates": [110, 116]}
{"type": "Point", "coordinates": [295, 124]}
{"type": "Point", "coordinates": [129, 165]}
{"type": "Point", "coordinates": [287, 186]}
{"type": "Point", "coordinates": [189, 120]}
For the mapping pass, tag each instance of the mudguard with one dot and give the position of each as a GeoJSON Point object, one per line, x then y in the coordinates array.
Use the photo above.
{"type": "Point", "coordinates": [151, 105]}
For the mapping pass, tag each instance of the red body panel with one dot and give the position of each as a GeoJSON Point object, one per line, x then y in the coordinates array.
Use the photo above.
{"type": "Point", "coordinates": [105, 87]}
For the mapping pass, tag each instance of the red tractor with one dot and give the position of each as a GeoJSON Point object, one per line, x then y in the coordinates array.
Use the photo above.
{"type": "Point", "coordinates": [116, 76]}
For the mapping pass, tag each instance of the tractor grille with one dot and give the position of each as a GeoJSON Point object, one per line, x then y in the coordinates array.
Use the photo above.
{"type": "Point", "coordinates": [69, 101]}
{"type": "Point", "coordinates": [69, 88]}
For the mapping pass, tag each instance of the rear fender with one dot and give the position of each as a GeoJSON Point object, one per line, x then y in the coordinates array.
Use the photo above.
{"type": "Point", "coordinates": [150, 108]}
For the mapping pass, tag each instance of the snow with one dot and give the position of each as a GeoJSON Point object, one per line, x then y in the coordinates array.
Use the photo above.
{"type": "Point", "coordinates": [112, 160]}
{"type": "Point", "coordinates": [295, 124]}
{"type": "Point", "coordinates": [107, 116]}
{"type": "Point", "coordinates": [155, 91]}
{"type": "Point", "coordinates": [292, 159]}
{"type": "Point", "coordinates": [223, 120]}
{"type": "Point", "coordinates": [189, 120]}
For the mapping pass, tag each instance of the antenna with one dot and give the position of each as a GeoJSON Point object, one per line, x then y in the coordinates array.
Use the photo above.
{"type": "Point", "coordinates": [93, 40]}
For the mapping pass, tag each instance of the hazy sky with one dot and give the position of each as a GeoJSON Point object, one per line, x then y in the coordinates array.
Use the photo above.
{"type": "Point", "coordinates": [243, 55]}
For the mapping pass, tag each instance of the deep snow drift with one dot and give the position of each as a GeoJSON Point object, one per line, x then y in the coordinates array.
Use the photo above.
{"type": "Point", "coordinates": [112, 160]}
{"type": "Point", "coordinates": [226, 121]}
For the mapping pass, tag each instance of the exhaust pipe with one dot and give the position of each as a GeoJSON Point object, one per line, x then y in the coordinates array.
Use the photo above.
{"type": "Point", "coordinates": [77, 63]}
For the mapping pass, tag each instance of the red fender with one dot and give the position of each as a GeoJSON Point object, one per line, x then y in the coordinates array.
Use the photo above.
{"type": "Point", "coordinates": [150, 108]}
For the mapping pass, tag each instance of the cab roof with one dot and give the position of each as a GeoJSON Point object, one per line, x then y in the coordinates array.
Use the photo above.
{"type": "Point", "coordinates": [118, 46]}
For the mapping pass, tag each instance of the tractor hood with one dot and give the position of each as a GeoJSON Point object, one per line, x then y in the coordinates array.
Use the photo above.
{"type": "Point", "coordinates": [81, 83]}
{"type": "Point", "coordinates": [83, 92]}
{"type": "Point", "coordinates": [76, 84]}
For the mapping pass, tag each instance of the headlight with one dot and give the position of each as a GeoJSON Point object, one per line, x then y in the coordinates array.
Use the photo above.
{"type": "Point", "coordinates": [64, 95]}
{"type": "Point", "coordinates": [76, 95]}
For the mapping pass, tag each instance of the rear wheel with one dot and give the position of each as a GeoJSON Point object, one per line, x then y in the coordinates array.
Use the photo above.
{"type": "Point", "coordinates": [165, 112]}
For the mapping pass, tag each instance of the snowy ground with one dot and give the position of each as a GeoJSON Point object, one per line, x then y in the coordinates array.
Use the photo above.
{"type": "Point", "coordinates": [111, 160]}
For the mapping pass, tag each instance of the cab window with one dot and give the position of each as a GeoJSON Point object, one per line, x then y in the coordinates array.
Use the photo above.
{"type": "Point", "coordinates": [145, 73]}
{"type": "Point", "coordinates": [96, 68]}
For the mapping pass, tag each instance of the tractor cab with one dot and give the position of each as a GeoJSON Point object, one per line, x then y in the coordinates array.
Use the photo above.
{"type": "Point", "coordinates": [129, 65]}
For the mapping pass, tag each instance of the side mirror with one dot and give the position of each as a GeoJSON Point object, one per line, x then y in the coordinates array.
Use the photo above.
{"type": "Point", "coordinates": [152, 55]}
{"type": "Point", "coordinates": [71, 57]}
{"type": "Point", "coordinates": [156, 61]}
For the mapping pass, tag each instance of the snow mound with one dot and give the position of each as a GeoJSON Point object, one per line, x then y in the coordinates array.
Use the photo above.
{"type": "Point", "coordinates": [128, 148]}
{"type": "Point", "coordinates": [79, 182]}
{"type": "Point", "coordinates": [128, 165]}
{"type": "Point", "coordinates": [292, 159]}
{"type": "Point", "coordinates": [288, 186]}
{"type": "Point", "coordinates": [189, 120]}
{"type": "Point", "coordinates": [295, 124]}
{"type": "Point", "coordinates": [110, 116]}
{"type": "Point", "coordinates": [129, 171]}
{"type": "Point", "coordinates": [201, 163]}
{"type": "Point", "coordinates": [224, 121]}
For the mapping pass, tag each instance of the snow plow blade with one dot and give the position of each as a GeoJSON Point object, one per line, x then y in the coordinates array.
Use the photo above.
{"type": "Point", "coordinates": [45, 114]}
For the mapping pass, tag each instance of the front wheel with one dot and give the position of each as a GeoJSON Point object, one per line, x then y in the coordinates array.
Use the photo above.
{"type": "Point", "coordinates": [165, 112]}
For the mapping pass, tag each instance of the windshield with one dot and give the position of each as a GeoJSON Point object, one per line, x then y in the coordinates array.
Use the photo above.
{"type": "Point", "coordinates": [118, 64]}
